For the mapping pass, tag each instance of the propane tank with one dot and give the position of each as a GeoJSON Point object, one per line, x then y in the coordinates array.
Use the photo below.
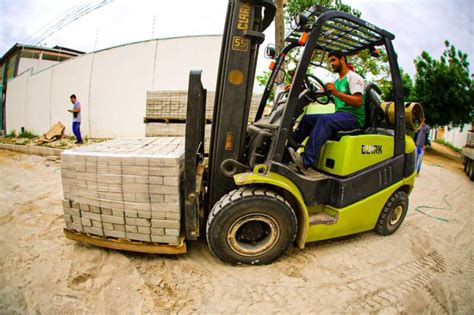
{"type": "Point", "coordinates": [413, 114]}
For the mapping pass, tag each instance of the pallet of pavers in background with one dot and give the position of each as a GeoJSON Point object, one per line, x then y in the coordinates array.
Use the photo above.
{"type": "Point", "coordinates": [157, 129]}
{"type": "Point", "coordinates": [124, 191]}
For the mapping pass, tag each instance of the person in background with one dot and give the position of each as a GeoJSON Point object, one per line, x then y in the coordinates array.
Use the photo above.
{"type": "Point", "coordinates": [76, 120]}
{"type": "Point", "coordinates": [285, 85]}
{"type": "Point", "coordinates": [421, 140]}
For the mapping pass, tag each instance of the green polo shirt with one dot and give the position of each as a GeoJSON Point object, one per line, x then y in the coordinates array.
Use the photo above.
{"type": "Point", "coordinates": [350, 84]}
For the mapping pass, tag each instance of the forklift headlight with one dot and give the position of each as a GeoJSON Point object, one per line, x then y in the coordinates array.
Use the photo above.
{"type": "Point", "coordinates": [300, 20]}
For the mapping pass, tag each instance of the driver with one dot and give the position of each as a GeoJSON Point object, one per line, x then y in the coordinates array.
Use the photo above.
{"type": "Point", "coordinates": [347, 92]}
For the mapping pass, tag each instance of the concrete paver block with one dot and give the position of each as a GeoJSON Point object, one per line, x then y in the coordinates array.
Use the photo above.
{"type": "Point", "coordinates": [115, 233]}
{"type": "Point", "coordinates": [172, 240]}
{"type": "Point", "coordinates": [139, 237]}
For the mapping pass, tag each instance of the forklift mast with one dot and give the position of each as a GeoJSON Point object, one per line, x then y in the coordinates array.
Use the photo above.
{"type": "Point", "coordinates": [243, 34]}
{"type": "Point", "coordinates": [245, 22]}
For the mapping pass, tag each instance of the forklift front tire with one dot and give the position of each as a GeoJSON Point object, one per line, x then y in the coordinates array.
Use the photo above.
{"type": "Point", "coordinates": [393, 213]}
{"type": "Point", "coordinates": [251, 225]}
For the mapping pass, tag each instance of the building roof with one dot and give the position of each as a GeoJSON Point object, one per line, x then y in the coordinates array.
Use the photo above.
{"type": "Point", "coordinates": [56, 49]}
{"type": "Point", "coordinates": [63, 49]}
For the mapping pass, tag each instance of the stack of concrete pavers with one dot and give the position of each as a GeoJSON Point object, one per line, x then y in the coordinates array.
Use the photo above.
{"type": "Point", "coordinates": [173, 105]}
{"type": "Point", "coordinates": [126, 189]}
{"type": "Point", "coordinates": [156, 129]}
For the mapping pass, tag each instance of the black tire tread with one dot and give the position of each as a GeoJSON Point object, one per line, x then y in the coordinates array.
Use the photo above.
{"type": "Point", "coordinates": [241, 194]}
{"type": "Point", "coordinates": [470, 169]}
{"type": "Point", "coordinates": [379, 228]}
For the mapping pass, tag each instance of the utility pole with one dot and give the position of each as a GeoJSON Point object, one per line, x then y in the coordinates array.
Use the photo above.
{"type": "Point", "coordinates": [280, 33]}
{"type": "Point", "coordinates": [153, 27]}
{"type": "Point", "coordinates": [96, 38]}
{"type": "Point", "coordinates": [280, 25]}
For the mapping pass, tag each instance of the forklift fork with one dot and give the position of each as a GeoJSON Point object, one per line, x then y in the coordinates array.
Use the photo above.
{"type": "Point", "coordinates": [194, 154]}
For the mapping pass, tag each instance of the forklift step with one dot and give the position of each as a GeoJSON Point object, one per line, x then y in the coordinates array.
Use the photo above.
{"type": "Point", "coordinates": [322, 218]}
{"type": "Point", "coordinates": [309, 173]}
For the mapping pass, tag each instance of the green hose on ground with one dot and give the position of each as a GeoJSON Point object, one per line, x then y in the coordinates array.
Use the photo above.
{"type": "Point", "coordinates": [435, 208]}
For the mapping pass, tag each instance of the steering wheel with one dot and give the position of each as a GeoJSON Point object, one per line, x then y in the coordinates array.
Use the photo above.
{"type": "Point", "coordinates": [312, 90]}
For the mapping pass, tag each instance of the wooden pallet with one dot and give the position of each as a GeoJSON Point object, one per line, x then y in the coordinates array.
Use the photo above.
{"type": "Point", "coordinates": [128, 245]}
{"type": "Point", "coordinates": [169, 120]}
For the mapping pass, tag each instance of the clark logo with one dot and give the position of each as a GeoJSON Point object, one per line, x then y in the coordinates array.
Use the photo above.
{"type": "Point", "coordinates": [371, 149]}
{"type": "Point", "coordinates": [244, 14]}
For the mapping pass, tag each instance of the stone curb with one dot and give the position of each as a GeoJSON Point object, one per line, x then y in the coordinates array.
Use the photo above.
{"type": "Point", "coordinates": [31, 149]}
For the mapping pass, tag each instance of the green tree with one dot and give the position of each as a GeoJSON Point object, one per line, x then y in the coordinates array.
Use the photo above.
{"type": "Point", "coordinates": [444, 87]}
{"type": "Point", "coordinates": [363, 63]}
{"type": "Point", "coordinates": [407, 85]}
{"type": "Point", "coordinates": [286, 9]}
{"type": "Point", "coordinates": [297, 6]}
{"type": "Point", "coordinates": [366, 65]}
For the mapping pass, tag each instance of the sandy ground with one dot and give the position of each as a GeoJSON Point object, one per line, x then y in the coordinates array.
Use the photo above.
{"type": "Point", "coordinates": [426, 267]}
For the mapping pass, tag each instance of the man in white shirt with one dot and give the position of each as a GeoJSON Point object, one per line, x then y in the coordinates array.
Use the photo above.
{"type": "Point", "coordinates": [76, 119]}
{"type": "Point", "coordinates": [348, 94]}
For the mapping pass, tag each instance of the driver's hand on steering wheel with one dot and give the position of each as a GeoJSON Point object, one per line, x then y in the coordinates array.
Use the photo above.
{"type": "Point", "coordinates": [331, 88]}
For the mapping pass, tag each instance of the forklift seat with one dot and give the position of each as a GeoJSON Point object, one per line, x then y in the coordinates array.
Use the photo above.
{"type": "Point", "coordinates": [372, 112]}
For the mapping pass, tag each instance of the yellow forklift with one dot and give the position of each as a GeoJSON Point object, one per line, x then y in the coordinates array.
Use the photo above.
{"type": "Point", "coordinates": [251, 203]}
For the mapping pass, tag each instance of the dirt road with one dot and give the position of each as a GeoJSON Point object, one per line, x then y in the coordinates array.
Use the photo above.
{"type": "Point", "coordinates": [427, 266]}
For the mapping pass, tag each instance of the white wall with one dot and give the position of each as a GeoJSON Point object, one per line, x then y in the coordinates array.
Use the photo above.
{"type": "Point", "coordinates": [110, 84]}
{"type": "Point", "coordinates": [455, 136]}
{"type": "Point", "coordinates": [16, 100]}
{"type": "Point", "coordinates": [38, 102]}
{"type": "Point", "coordinates": [120, 79]}
{"type": "Point", "coordinates": [44, 64]}
{"type": "Point", "coordinates": [27, 63]}
{"type": "Point", "coordinates": [36, 64]}
{"type": "Point", "coordinates": [71, 77]}
{"type": "Point", "coordinates": [179, 57]}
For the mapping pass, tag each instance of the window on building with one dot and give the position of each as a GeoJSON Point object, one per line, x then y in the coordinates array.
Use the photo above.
{"type": "Point", "coordinates": [11, 63]}
{"type": "Point", "coordinates": [30, 54]}
{"type": "Point", "coordinates": [62, 58]}
{"type": "Point", "coordinates": [2, 70]}
{"type": "Point", "coordinates": [55, 57]}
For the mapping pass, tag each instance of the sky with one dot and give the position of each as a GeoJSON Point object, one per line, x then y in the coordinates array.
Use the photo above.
{"type": "Point", "coordinates": [417, 24]}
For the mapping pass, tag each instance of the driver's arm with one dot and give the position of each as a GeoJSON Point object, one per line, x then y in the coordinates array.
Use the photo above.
{"type": "Point", "coordinates": [354, 100]}
{"type": "Point", "coordinates": [356, 89]}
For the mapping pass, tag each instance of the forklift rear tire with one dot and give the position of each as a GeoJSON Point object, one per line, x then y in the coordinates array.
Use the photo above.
{"type": "Point", "coordinates": [470, 169]}
{"type": "Point", "coordinates": [393, 213]}
{"type": "Point", "coordinates": [251, 225]}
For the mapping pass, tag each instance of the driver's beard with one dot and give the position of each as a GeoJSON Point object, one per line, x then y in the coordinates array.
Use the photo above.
{"type": "Point", "coordinates": [336, 68]}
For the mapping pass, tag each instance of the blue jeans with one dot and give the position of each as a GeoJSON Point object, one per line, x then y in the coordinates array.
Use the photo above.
{"type": "Point", "coordinates": [320, 128]}
{"type": "Point", "coordinates": [419, 158]}
{"type": "Point", "coordinates": [76, 129]}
